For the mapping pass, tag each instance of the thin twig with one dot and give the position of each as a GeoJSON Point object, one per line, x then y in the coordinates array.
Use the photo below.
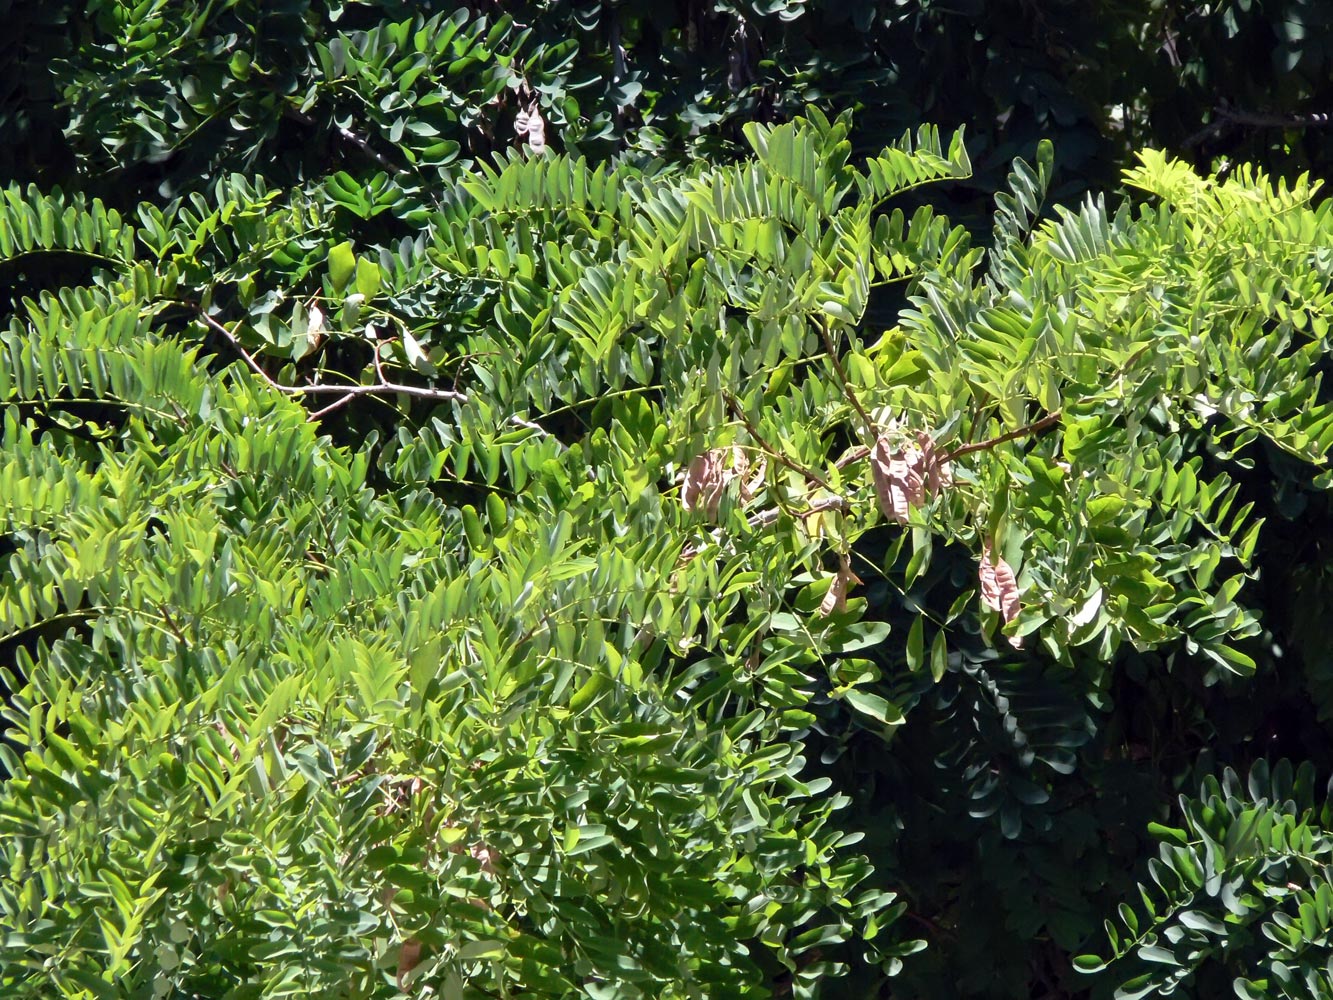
{"type": "Point", "coordinates": [1209, 131]}
{"type": "Point", "coordinates": [421, 392]}
{"type": "Point", "coordinates": [764, 518]}
{"type": "Point", "coordinates": [776, 455]}
{"type": "Point", "coordinates": [1225, 117]}
{"type": "Point", "coordinates": [1036, 427]}
{"type": "Point", "coordinates": [333, 407]}
{"type": "Point", "coordinates": [171, 624]}
{"type": "Point", "coordinates": [842, 377]}
{"type": "Point", "coordinates": [379, 364]}
{"type": "Point", "coordinates": [767, 517]}
{"type": "Point", "coordinates": [931, 924]}
{"type": "Point", "coordinates": [235, 343]}
{"type": "Point", "coordinates": [855, 455]}
{"type": "Point", "coordinates": [344, 392]}
{"type": "Point", "coordinates": [518, 421]}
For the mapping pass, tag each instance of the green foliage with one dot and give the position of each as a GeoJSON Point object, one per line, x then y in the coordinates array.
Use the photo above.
{"type": "Point", "coordinates": [129, 96]}
{"type": "Point", "coordinates": [1240, 892]}
{"type": "Point", "coordinates": [442, 541]}
{"type": "Point", "coordinates": [293, 732]}
{"type": "Point", "coordinates": [503, 694]}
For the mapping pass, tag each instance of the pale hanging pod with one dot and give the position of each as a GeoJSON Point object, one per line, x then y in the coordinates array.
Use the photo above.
{"type": "Point", "coordinates": [531, 127]}
{"type": "Point", "coordinates": [314, 335]}
{"type": "Point", "coordinates": [316, 325]}
{"type": "Point", "coordinates": [537, 131]}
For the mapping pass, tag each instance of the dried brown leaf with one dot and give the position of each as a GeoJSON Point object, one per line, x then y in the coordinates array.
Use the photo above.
{"type": "Point", "coordinates": [907, 474]}
{"type": "Point", "coordinates": [740, 464]}
{"type": "Point", "coordinates": [750, 487]}
{"type": "Point", "coordinates": [703, 486]}
{"type": "Point", "coordinates": [485, 856]}
{"type": "Point", "coordinates": [409, 957]}
{"type": "Point", "coordinates": [938, 472]}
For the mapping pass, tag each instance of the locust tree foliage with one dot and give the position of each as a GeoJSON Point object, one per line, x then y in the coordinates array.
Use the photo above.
{"type": "Point", "coordinates": [1239, 897]}
{"type": "Point", "coordinates": [453, 609]}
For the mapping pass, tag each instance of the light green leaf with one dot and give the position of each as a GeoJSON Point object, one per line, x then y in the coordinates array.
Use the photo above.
{"type": "Point", "coordinates": [874, 706]}
{"type": "Point", "coordinates": [342, 262]}
{"type": "Point", "coordinates": [367, 277]}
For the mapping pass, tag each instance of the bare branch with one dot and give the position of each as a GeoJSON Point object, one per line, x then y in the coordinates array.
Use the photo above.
{"type": "Point", "coordinates": [347, 136]}
{"type": "Point", "coordinates": [767, 517]}
{"type": "Point", "coordinates": [518, 421]}
{"type": "Point", "coordinates": [1036, 427]}
{"type": "Point", "coordinates": [337, 404]}
{"type": "Point", "coordinates": [769, 450]}
{"type": "Point", "coordinates": [855, 455]}
{"type": "Point", "coordinates": [236, 344]}
{"type": "Point", "coordinates": [1260, 120]}
{"type": "Point", "coordinates": [842, 377]}
{"type": "Point", "coordinates": [345, 393]}
{"type": "Point", "coordinates": [764, 518]}
{"type": "Point", "coordinates": [1236, 117]}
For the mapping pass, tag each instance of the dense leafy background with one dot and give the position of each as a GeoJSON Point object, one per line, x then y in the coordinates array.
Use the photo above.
{"type": "Point", "coordinates": [1009, 811]}
{"type": "Point", "coordinates": [129, 96]}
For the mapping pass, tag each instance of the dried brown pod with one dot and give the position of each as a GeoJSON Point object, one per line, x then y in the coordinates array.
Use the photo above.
{"type": "Point", "coordinates": [906, 474]}
{"type": "Point", "coordinates": [409, 957]}
{"type": "Point", "coordinates": [708, 476]}
{"type": "Point", "coordinates": [897, 474]}
{"type": "Point", "coordinates": [484, 856]}
{"type": "Point", "coordinates": [999, 588]}
{"type": "Point", "coordinates": [935, 467]}
{"type": "Point", "coordinates": [836, 598]}
{"type": "Point", "coordinates": [750, 487]}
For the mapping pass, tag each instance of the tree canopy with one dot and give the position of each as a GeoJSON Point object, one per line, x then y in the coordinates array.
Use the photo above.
{"type": "Point", "coordinates": [548, 502]}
